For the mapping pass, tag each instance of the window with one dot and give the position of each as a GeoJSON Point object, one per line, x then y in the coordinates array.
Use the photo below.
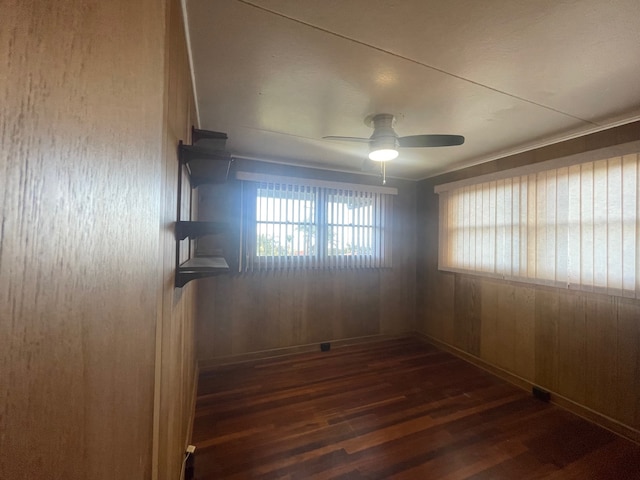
{"type": "Point", "coordinates": [295, 223]}
{"type": "Point", "coordinates": [575, 225]}
{"type": "Point", "coordinates": [285, 221]}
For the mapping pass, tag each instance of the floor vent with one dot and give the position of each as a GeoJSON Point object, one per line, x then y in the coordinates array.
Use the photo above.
{"type": "Point", "coordinates": [541, 394]}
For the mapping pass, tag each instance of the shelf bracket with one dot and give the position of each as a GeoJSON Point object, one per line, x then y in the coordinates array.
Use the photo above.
{"type": "Point", "coordinates": [188, 229]}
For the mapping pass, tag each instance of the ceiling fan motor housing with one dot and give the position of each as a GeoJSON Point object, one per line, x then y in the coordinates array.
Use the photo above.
{"type": "Point", "coordinates": [384, 136]}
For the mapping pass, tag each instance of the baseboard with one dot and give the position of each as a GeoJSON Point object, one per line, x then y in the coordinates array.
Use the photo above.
{"type": "Point", "coordinates": [277, 352]}
{"type": "Point", "coordinates": [557, 399]}
{"type": "Point", "coordinates": [194, 399]}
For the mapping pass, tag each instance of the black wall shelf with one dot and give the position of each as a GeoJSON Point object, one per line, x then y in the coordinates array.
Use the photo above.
{"type": "Point", "coordinates": [205, 166]}
{"type": "Point", "coordinates": [208, 164]}
{"type": "Point", "coordinates": [200, 267]}
{"type": "Point", "coordinates": [217, 138]}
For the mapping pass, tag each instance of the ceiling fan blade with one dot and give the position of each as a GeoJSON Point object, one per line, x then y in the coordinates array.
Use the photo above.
{"type": "Point", "coordinates": [430, 140]}
{"type": "Point", "coordinates": [347, 139]}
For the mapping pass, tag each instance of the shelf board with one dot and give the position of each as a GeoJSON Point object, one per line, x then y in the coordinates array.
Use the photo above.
{"type": "Point", "coordinates": [204, 172]}
{"type": "Point", "coordinates": [189, 153]}
{"type": "Point", "coordinates": [200, 267]}
{"type": "Point", "coordinates": [218, 137]}
{"type": "Point", "coordinates": [205, 264]}
{"type": "Point", "coordinates": [205, 165]}
{"type": "Point", "coordinates": [197, 229]}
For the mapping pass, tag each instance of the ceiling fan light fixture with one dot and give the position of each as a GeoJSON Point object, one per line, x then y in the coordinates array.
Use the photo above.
{"type": "Point", "coordinates": [383, 154]}
{"type": "Point", "coordinates": [383, 147]}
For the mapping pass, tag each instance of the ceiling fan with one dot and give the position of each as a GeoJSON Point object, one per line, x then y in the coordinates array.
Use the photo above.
{"type": "Point", "coordinates": [384, 142]}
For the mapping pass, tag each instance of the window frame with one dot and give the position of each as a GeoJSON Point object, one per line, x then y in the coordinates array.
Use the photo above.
{"type": "Point", "coordinates": [380, 256]}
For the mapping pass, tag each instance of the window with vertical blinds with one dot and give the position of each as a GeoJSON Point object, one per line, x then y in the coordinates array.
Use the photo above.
{"type": "Point", "coordinates": [292, 223]}
{"type": "Point", "coordinates": [575, 225]}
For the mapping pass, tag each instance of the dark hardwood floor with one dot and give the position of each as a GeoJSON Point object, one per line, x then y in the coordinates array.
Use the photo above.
{"type": "Point", "coordinates": [397, 409]}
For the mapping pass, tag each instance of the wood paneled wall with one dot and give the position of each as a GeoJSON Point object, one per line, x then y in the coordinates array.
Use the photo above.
{"type": "Point", "coordinates": [176, 375]}
{"type": "Point", "coordinates": [252, 312]}
{"type": "Point", "coordinates": [581, 346]}
{"type": "Point", "coordinates": [87, 189]}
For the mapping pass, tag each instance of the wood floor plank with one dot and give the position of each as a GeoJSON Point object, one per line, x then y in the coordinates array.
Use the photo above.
{"type": "Point", "coordinates": [398, 409]}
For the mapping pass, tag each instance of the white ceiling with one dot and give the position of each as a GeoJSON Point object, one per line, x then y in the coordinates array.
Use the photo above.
{"type": "Point", "coordinates": [278, 75]}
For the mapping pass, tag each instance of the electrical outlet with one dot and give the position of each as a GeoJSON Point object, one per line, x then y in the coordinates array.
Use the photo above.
{"type": "Point", "coordinates": [191, 448]}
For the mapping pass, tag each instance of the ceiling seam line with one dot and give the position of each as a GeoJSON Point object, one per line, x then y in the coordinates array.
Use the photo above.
{"type": "Point", "coordinates": [416, 62]}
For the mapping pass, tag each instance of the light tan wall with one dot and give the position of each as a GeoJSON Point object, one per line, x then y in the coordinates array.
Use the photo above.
{"type": "Point", "coordinates": [244, 313]}
{"type": "Point", "coordinates": [84, 196]}
{"type": "Point", "coordinates": [582, 346]}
